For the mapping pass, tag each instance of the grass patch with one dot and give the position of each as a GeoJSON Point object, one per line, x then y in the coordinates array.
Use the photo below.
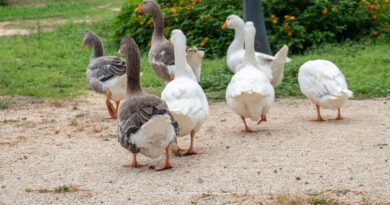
{"type": "Point", "coordinates": [59, 9]}
{"type": "Point", "coordinates": [52, 65]}
{"type": "Point", "coordinates": [5, 103]}
{"type": "Point", "coordinates": [58, 190]}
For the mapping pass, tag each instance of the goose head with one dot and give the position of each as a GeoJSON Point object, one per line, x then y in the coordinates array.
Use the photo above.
{"type": "Point", "coordinates": [127, 46]}
{"type": "Point", "coordinates": [148, 6]}
{"type": "Point", "coordinates": [90, 39]}
{"type": "Point", "coordinates": [178, 37]}
{"type": "Point", "coordinates": [233, 22]}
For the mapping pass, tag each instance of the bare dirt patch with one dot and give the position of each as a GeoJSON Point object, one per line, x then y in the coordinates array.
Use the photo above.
{"type": "Point", "coordinates": [54, 143]}
{"type": "Point", "coordinates": [26, 27]}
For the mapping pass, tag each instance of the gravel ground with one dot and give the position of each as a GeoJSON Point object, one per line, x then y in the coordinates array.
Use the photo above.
{"type": "Point", "coordinates": [49, 144]}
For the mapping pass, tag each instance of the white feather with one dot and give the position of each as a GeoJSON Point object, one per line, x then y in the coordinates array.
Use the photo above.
{"type": "Point", "coordinates": [117, 86]}
{"type": "Point", "coordinates": [324, 84]}
{"type": "Point", "coordinates": [154, 136]}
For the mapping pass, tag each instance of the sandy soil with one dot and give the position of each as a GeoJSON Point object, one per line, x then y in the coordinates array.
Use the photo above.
{"type": "Point", "coordinates": [53, 143]}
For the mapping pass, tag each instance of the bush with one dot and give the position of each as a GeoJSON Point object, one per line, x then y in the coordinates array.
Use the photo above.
{"type": "Point", "coordinates": [201, 22]}
{"type": "Point", "coordinates": [3, 2]}
{"type": "Point", "coordinates": [323, 21]}
{"type": "Point", "coordinates": [306, 23]}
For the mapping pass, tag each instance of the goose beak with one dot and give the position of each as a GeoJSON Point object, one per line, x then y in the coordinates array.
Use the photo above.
{"type": "Point", "coordinates": [138, 9]}
{"type": "Point", "coordinates": [84, 45]}
{"type": "Point", "coordinates": [224, 26]}
{"type": "Point", "coordinates": [119, 53]}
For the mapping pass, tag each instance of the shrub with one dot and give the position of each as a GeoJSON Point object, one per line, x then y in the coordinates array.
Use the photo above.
{"type": "Point", "coordinates": [298, 23]}
{"type": "Point", "coordinates": [3, 2]}
{"type": "Point", "coordinates": [311, 22]}
{"type": "Point", "coordinates": [201, 22]}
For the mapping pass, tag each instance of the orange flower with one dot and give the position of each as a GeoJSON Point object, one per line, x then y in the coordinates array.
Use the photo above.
{"type": "Point", "coordinates": [324, 11]}
{"type": "Point", "coordinates": [286, 26]}
{"type": "Point", "coordinates": [286, 17]}
{"type": "Point", "coordinates": [202, 44]}
{"type": "Point", "coordinates": [375, 33]}
{"type": "Point", "coordinates": [168, 29]}
{"type": "Point", "coordinates": [289, 34]}
{"type": "Point", "coordinates": [174, 10]}
{"type": "Point", "coordinates": [273, 16]}
{"type": "Point", "coordinates": [274, 21]}
{"type": "Point", "coordinates": [188, 8]}
{"type": "Point", "coordinates": [206, 38]}
{"type": "Point", "coordinates": [196, 1]}
{"type": "Point", "coordinates": [150, 23]}
{"type": "Point", "coordinates": [292, 18]}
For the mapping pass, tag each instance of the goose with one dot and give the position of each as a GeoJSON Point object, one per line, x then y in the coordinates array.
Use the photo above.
{"type": "Point", "coordinates": [324, 84]}
{"type": "Point", "coordinates": [184, 96]}
{"type": "Point", "coordinates": [105, 74]}
{"type": "Point", "coordinates": [235, 53]}
{"type": "Point", "coordinates": [145, 124]}
{"type": "Point", "coordinates": [250, 93]}
{"type": "Point", "coordinates": [161, 55]}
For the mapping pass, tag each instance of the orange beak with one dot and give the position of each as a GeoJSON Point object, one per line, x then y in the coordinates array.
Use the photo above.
{"type": "Point", "coordinates": [84, 46]}
{"type": "Point", "coordinates": [119, 53]}
{"type": "Point", "coordinates": [224, 26]}
{"type": "Point", "coordinates": [138, 9]}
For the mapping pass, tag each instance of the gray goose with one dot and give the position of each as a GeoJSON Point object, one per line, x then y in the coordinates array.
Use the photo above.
{"type": "Point", "coordinates": [145, 123]}
{"type": "Point", "coordinates": [105, 74]}
{"type": "Point", "coordinates": [161, 54]}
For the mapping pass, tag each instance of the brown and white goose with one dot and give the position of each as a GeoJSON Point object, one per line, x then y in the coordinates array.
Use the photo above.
{"type": "Point", "coordinates": [161, 54]}
{"type": "Point", "coordinates": [145, 124]}
{"type": "Point", "coordinates": [105, 74]}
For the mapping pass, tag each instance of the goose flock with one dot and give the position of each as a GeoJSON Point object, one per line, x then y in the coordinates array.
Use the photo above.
{"type": "Point", "coordinates": [149, 124]}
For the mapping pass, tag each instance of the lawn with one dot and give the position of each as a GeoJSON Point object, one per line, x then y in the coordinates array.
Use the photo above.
{"type": "Point", "coordinates": [53, 65]}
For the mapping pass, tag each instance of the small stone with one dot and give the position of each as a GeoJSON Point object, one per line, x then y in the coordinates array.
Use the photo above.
{"type": "Point", "coordinates": [275, 171]}
{"type": "Point", "coordinates": [298, 178]}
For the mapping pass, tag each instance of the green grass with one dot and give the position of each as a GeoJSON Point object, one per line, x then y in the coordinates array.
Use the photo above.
{"type": "Point", "coordinates": [60, 9]}
{"type": "Point", "coordinates": [52, 65]}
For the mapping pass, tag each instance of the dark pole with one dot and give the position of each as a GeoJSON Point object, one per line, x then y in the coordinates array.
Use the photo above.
{"type": "Point", "coordinates": [253, 11]}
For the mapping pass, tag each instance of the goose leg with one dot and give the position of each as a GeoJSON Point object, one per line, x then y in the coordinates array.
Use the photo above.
{"type": "Point", "coordinates": [262, 119]}
{"type": "Point", "coordinates": [191, 150]}
{"type": "Point", "coordinates": [134, 163]}
{"type": "Point", "coordinates": [339, 115]}
{"type": "Point", "coordinates": [319, 118]}
{"type": "Point", "coordinates": [167, 164]}
{"type": "Point", "coordinates": [110, 106]}
{"type": "Point", "coordinates": [247, 129]}
{"type": "Point", "coordinates": [117, 108]}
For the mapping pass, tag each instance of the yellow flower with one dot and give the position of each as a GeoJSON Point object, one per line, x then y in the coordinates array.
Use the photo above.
{"type": "Point", "coordinates": [274, 21]}
{"type": "Point", "coordinates": [206, 38]}
{"type": "Point", "coordinates": [174, 10]}
{"type": "Point", "coordinates": [325, 11]}
{"type": "Point", "coordinates": [292, 18]}
{"type": "Point", "coordinates": [202, 44]}
{"type": "Point", "coordinates": [289, 34]}
{"type": "Point", "coordinates": [273, 16]}
{"type": "Point", "coordinates": [286, 17]}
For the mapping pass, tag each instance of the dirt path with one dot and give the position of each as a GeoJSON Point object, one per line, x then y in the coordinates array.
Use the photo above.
{"type": "Point", "coordinates": [49, 144]}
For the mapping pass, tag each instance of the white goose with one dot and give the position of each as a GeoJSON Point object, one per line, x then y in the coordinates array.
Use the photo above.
{"type": "Point", "coordinates": [235, 53]}
{"type": "Point", "coordinates": [324, 84]}
{"type": "Point", "coordinates": [249, 93]}
{"type": "Point", "coordinates": [184, 96]}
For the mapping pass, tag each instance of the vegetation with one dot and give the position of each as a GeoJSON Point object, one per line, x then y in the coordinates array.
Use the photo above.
{"type": "Point", "coordinates": [301, 26]}
{"type": "Point", "coordinates": [201, 21]}
{"type": "Point", "coordinates": [52, 65]}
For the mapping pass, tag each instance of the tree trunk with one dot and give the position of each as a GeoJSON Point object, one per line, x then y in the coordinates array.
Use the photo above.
{"type": "Point", "coordinates": [253, 11]}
